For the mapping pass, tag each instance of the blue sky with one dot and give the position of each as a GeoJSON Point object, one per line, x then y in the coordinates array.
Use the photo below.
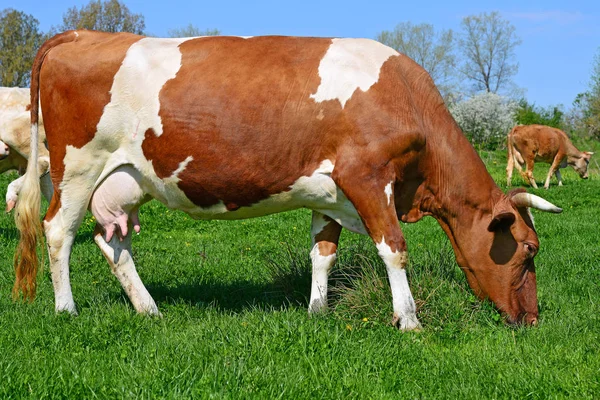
{"type": "Point", "coordinates": [555, 59]}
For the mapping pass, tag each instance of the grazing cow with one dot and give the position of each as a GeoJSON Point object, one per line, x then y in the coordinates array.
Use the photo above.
{"type": "Point", "coordinates": [231, 128]}
{"type": "Point", "coordinates": [528, 144]}
{"type": "Point", "coordinates": [15, 131]}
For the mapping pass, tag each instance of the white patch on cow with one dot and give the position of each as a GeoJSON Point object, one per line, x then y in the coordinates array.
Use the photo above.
{"type": "Point", "coordinates": [404, 305]}
{"type": "Point", "coordinates": [348, 65]}
{"type": "Point", "coordinates": [393, 259]}
{"type": "Point", "coordinates": [320, 272]}
{"type": "Point", "coordinates": [174, 178]}
{"type": "Point", "coordinates": [318, 224]}
{"type": "Point", "coordinates": [388, 192]}
{"type": "Point", "coordinates": [134, 107]}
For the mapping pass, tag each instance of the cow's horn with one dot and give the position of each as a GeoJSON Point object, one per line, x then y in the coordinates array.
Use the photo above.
{"type": "Point", "coordinates": [531, 200]}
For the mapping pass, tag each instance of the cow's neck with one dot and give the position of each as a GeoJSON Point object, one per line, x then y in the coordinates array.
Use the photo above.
{"type": "Point", "coordinates": [572, 152]}
{"type": "Point", "coordinates": [457, 190]}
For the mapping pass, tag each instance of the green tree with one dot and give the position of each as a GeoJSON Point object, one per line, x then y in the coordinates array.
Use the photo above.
{"type": "Point", "coordinates": [584, 117]}
{"type": "Point", "coordinates": [487, 43]}
{"type": "Point", "coordinates": [192, 31]}
{"type": "Point", "coordinates": [103, 15]}
{"type": "Point", "coordinates": [592, 100]}
{"type": "Point", "coordinates": [433, 50]}
{"type": "Point", "coordinates": [527, 114]}
{"type": "Point", "coordinates": [19, 41]}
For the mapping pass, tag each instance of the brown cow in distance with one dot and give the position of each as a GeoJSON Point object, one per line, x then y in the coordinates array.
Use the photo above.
{"type": "Point", "coordinates": [527, 144]}
{"type": "Point", "coordinates": [232, 128]}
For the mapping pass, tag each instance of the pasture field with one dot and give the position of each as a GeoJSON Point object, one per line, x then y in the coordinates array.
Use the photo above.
{"type": "Point", "coordinates": [234, 299]}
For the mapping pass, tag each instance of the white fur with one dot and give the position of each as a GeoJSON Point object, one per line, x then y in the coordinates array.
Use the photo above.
{"type": "Point", "coordinates": [118, 254]}
{"type": "Point", "coordinates": [388, 192]}
{"type": "Point", "coordinates": [320, 271]}
{"type": "Point", "coordinates": [348, 65]}
{"type": "Point", "coordinates": [404, 305]}
{"type": "Point", "coordinates": [174, 178]}
{"type": "Point", "coordinates": [59, 249]}
{"type": "Point", "coordinates": [318, 224]}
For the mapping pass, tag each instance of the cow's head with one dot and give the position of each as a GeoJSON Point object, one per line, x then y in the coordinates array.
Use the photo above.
{"type": "Point", "coordinates": [497, 256]}
{"type": "Point", "coordinates": [580, 163]}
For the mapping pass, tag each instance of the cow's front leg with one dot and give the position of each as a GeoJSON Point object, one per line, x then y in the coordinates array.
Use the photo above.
{"type": "Point", "coordinates": [554, 167]}
{"type": "Point", "coordinates": [325, 234]}
{"type": "Point", "coordinates": [558, 176]}
{"type": "Point", "coordinates": [374, 201]}
{"type": "Point", "coordinates": [118, 254]}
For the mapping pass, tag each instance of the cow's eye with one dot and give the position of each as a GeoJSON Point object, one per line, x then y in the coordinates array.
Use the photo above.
{"type": "Point", "coordinates": [531, 249]}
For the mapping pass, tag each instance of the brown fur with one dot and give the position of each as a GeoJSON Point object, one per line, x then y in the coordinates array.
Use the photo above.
{"type": "Point", "coordinates": [527, 144]}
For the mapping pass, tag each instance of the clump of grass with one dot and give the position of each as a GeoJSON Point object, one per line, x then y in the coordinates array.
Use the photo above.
{"type": "Point", "coordinates": [360, 290]}
{"type": "Point", "coordinates": [290, 272]}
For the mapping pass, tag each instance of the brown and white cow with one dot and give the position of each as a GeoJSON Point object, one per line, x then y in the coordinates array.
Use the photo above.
{"type": "Point", "coordinates": [528, 144]}
{"type": "Point", "coordinates": [230, 128]}
{"type": "Point", "coordinates": [15, 133]}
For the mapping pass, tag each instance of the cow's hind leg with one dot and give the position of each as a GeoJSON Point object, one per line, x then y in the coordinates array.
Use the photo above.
{"type": "Point", "coordinates": [374, 201]}
{"type": "Point", "coordinates": [529, 163]}
{"type": "Point", "coordinates": [118, 254]}
{"type": "Point", "coordinates": [60, 225]}
{"type": "Point", "coordinates": [325, 233]}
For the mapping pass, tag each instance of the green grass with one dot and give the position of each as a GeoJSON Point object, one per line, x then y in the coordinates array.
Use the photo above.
{"type": "Point", "coordinates": [234, 298]}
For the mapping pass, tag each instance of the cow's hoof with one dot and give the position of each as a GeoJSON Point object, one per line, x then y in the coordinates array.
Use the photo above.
{"type": "Point", "coordinates": [317, 306]}
{"type": "Point", "coordinates": [66, 309]}
{"type": "Point", "coordinates": [152, 313]}
{"type": "Point", "coordinates": [407, 323]}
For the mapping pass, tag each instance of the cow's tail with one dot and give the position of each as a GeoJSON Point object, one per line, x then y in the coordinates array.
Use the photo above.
{"type": "Point", "coordinates": [510, 154]}
{"type": "Point", "coordinates": [27, 209]}
{"type": "Point", "coordinates": [509, 145]}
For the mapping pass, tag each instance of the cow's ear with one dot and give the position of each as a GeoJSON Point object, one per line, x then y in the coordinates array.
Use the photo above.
{"type": "Point", "coordinates": [503, 215]}
{"type": "Point", "coordinates": [588, 153]}
{"type": "Point", "coordinates": [501, 220]}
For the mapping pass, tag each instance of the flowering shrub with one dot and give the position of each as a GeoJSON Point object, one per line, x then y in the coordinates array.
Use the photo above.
{"type": "Point", "coordinates": [486, 119]}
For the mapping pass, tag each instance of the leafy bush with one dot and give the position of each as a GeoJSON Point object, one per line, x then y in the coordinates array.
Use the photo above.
{"type": "Point", "coordinates": [485, 119]}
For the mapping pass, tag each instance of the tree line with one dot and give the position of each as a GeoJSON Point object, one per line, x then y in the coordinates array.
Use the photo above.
{"type": "Point", "coordinates": [473, 68]}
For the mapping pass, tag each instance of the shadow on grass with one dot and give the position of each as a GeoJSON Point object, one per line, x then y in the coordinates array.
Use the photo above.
{"type": "Point", "coordinates": [288, 285]}
{"type": "Point", "coordinates": [237, 296]}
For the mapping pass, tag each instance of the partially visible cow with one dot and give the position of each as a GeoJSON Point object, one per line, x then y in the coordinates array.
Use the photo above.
{"type": "Point", "coordinates": [231, 128]}
{"type": "Point", "coordinates": [15, 136]}
{"type": "Point", "coordinates": [528, 144]}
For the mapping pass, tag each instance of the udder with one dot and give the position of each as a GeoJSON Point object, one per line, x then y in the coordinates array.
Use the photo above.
{"type": "Point", "coordinates": [116, 202]}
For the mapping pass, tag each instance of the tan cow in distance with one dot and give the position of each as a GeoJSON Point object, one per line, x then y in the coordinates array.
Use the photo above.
{"type": "Point", "coordinates": [528, 144]}
{"type": "Point", "coordinates": [15, 137]}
